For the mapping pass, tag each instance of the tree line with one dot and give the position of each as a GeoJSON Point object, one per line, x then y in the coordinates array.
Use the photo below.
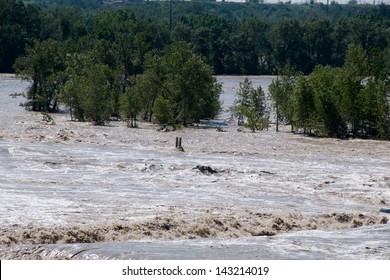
{"type": "Point", "coordinates": [348, 101]}
{"type": "Point", "coordinates": [234, 38]}
{"type": "Point", "coordinates": [176, 86]}
{"type": "Point", "coordinates": [114, 63]}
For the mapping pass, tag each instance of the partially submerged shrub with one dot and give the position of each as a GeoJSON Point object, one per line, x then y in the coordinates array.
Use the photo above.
{"type": "Point", "coordinates": [47, 118]}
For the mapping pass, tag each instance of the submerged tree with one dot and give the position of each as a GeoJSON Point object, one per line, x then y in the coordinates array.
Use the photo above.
{"type": "Point", "coordinates": [243, 100]}
{"type": "Point", "coordinates": [346, 101]}
{"type": "Point", "coordinates": [96, 90]}
{"type": "Point", "coordinates": [282, 96]}
{"type": "Point", "coordinates": [131, 104]}
{"type": "Point", "coordinates": [250, 106]}
{"type": "Point", "coordinates": [43, 66]}
{"type": "Point", "coordinates": [163, 112]}
{"type": "Point", "coordinates": [328, 120]}
{"type": "Point", "coordinates": [190, 85]}
{"type": "Point", "coordinates": [152, 84]}
{"type": "Point", "coordinates": [304, 105]}
{"type": "Point", "coordinates": [182, 79]}
{"type": "Point", "coordinates": [89, 91]}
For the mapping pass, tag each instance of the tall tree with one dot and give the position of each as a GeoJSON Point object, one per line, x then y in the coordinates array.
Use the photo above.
{"type": "Point", "coordinates": [90, 89]}
{"type": "Point", "coordinates": [153, 83]}
{"type": "Point", "coordinates": [243, 99]}
{"type": "Point", "coordinates": [251, 50]}
{"type": "Point", "coordinates": [20, 24]}
{"type": "Point", "coordinates": [329, 119]}
{"type": "Point", "coordinates": [190, 85]}
{"type": "Point", "coordinates": [163, 112]}
{"type": "Point", "coordinates": [250, 106]}
{"type": "Point", "coordinates": [277, 96]}
{"type": "Point", "coordinates": [95, 90]}
{"type": "Point", "coordinates": [282, 95]}
{"type": "Point", "coordinates": [181, 79]}
{"type": "Point", "coordinates": [374, 99]}
{"type": "Point", "coordinates": [304, 105]}
{"type": "Point", "coordinates": [131, 105]}
{"type": "Point", "coordinates": [43, 66]}
{"type": "Point", "coordinates": [349, 83]}
{"type": "Point", "coordinates": [318, 42]}
{"type": "Point", "coordinates": [288, 45]}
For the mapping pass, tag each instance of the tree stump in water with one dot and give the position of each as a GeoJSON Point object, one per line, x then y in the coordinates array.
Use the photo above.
{"type": "Point", "coordinates": [178, 144]}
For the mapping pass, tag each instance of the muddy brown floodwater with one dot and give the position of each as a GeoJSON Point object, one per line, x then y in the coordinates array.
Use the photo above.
{"type": "Point", "coordinates": [74, 190]}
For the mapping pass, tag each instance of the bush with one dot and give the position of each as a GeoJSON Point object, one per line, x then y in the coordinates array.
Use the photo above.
{"type": "Point", "coordinates": [162, 111]}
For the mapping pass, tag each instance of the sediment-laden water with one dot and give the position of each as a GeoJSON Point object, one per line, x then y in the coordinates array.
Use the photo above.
{"type": "Point", "coordinates": [74, 190]}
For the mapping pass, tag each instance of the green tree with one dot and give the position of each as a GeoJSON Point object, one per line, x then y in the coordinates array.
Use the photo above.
{"type": "Point", "coordinates": [282, 96]}
{"type": "Point", "coordinates": [131, 105]}
{"type": "Point", "coordinates": [189, 85]}
{"type": "Point", "coordinates": [153, 83]}
{"type": "Point", "coordinates": [251, 50]}
{"type": "Point", "coordinates": [286, 37]}
{"type": "Point", "coordinates": [304, 105]}
{"type": "Point", "coordinates": [344, 101]}
{"type": "Point", "coordinates": [71, 96]}
{"type": "Point", "coordinates": [89, 94]}
{"type": "Point", "coordinates": [71, 89]}
{"type": "Point", "coordinates": [276, 93]}
{"type": "Point", "coordinates": [163, 112]}
{"type": "Point", "coordinates": [367, 33]}
{"type": "Point", "coordinates": [375, 109]}
{"type": "Point", "coordinates": [329, 120]}
{"type": "Point", "coordinates": [130, 51]}
{"type": "Point", "coordinates": [96, 92]}
{"type": "Point", "coordinates": [318, 41]}
{"type": "Point", "coordinates": [250, 106]}
{"type": "Point", "coordinates": [43, 66]}
{"type": "Point", "coordinates": [243, 100]}
{"type": "Point", "coordinates": [196, 91]}
{"type": "Point", "coordinates": [210, 38]}
{"type": "Point", "coordinates": [183, 80]}
{"type": "Point", "coordinates": [349, 83]}
{"type": "Point", "coordinates": [20, 24]}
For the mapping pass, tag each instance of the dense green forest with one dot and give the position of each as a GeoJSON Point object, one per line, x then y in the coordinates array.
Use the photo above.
{"type": "Point", "coordinates": [234, 38]}
{"type": "Point", "coordinates": [99, 49]}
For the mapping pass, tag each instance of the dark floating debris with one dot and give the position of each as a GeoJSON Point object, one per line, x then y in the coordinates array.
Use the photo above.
{"type": "Point", "coordinates": [385, 210]}
{"type": "Point", "coordinates": [206, 169]}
